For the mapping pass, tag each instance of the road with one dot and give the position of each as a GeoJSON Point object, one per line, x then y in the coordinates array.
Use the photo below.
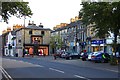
{"type": "Point", "coordinates": [48, 68]}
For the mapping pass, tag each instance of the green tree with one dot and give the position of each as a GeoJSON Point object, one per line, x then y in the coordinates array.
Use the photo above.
{"type": "Point", "coordinates": [56, 42]}
{"type": "Point", "coordinates": [18, 9]}
{"type": "Point", "coordinates": [104, 15]}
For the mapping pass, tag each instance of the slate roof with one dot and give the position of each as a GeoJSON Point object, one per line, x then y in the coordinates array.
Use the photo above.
{"type": "Point", "coordinates": [40, 27]}
{"type": "Point", "coordinates": [37, 27]}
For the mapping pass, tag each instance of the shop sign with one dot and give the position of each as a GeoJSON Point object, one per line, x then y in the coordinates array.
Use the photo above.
{"type": "Point", "coordinates": [97, 42]}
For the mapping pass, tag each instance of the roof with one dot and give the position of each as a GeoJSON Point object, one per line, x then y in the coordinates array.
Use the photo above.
{"type": "Point", "coordinates": [13, 32]}
{"type": "Point", "coordinates": [34, 27]}
{"type": "Point", "coordinates": [37, 27]}
{"type": "Point", "coordinates": [68, 26]}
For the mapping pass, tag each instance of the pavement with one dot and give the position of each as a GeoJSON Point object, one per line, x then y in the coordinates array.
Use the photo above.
{"type": "Point", "coordinates": [79, 62]}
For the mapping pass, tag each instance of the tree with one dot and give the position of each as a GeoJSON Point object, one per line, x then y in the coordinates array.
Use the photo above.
{"type": "Point", "coordinates": [105, 16]}
{"type": "Point", "coordinates": [56, 42]}
{"type": "Point", "coordinates": [18, 9]}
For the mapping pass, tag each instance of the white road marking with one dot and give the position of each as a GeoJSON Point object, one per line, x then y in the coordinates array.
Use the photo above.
{"type": "Point", "coordinates": [34, 64]}
{"type": "Point", "coordinates": [39, 65]}
{"type": "Point", "coordinates": [112, 70]}
{"type": "Point", "coordinates": [81, 77]}
{"type": "Point", "coordinates": [57, 70]}
{"type": "Point", "coordinates": [107, 69]}
{"type": "Point", "coordinates": [4, 72]}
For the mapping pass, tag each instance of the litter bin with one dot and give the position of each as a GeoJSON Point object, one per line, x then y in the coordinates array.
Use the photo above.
{"type": "Point", "coordinates": [16, 55]}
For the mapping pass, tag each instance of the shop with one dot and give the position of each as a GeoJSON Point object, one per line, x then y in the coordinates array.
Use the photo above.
{"type": "Point", "coordinates": [38, 50]}
{"type": "Point", "coordinates": [98, 45]}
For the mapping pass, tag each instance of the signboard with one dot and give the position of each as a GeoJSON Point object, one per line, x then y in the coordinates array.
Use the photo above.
{"type": "Point", "coordinates": [98, 42]}
{"type": "Point", "coordinates": [109, 41]}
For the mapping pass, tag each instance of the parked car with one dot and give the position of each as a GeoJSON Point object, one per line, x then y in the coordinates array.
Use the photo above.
{"type": "Point", "coordinates": [100, 57]}
{"type": "Point", "coordinates": [90, 55]}
{"type": "Point", "coordinates": [59, 53]}
{"type": "Point", "coordinates": [72, 55]}
{"type": "Point", "coordinates": [84, 55]}
{"type": "Point", "coordinates": [63, 55]}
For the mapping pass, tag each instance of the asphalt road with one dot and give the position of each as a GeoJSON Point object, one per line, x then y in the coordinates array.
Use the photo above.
{"type": "Point", "coordinates": [48, 68]}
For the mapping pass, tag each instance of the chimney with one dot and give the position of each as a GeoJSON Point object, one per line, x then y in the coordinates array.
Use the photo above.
{"type": "Point", "coordinates": [32, 22]}
{"type": "Point", "coordinates": [41, 25]}
{"type": "Point", "coordinates": [29, 23]}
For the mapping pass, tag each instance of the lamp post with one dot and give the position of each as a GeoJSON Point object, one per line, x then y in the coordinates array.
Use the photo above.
{"type": "Point", "coordinates": [24, 36]}
{"type": "Point", "coordinates": [77, 46]}
{"type": "Point", "coordinates": [24, 29]}
{"type": "Point", "coordinates": [89, 43]}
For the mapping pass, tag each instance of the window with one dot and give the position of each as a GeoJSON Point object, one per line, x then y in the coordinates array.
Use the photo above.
{"type": "Point", "coordinates": [19, 41]}
{"type": "Point", "coordinates": [30, 32]}
{"type": "Point", "coordinates": [42, 33]}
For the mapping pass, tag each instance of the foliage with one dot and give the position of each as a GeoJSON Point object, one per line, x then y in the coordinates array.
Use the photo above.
{"type": "Point", "coordinates": [18, 9]}
{"type": "Point", "coordinates": [56, 42]}
{"type": "Point", "coordinates": [104, 15]}
{"type": "Point", "coordinates": [113, 61]}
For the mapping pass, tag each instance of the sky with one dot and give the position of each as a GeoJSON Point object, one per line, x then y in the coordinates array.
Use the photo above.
{"type": "Point", "coordinates": [48, 12]}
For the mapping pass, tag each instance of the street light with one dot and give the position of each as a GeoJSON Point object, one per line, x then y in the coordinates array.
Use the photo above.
{"type": "Point", "coordinates": [24, 36]}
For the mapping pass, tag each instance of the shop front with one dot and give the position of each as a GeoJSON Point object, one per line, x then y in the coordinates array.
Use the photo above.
{"type": "Point", "coordinates": [98, 45]}
{"type": "Point", "coordinates": [38, 50]}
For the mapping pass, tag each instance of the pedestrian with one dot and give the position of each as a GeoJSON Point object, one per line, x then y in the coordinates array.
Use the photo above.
{"type": "Point", "coordinates": [44, 54]}
{"type": "Point", "coordinates": [24, 53]}
{"type": "Point", "coordinates": [55, 56]}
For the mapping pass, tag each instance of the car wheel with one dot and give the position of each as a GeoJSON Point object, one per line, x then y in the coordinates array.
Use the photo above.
{"type": "Point", "coordinates": [83, 59]}
{"type": "Point", "coordinates": [106, 61]}
{"type": "Point", "coordinates": [70, 58]}
{"type": "Point", "coordinates": [66, 58]}
{"type": "Point", "coordinates": [96, 61]}
{"type": "Point", "coordinates": [102, 61]}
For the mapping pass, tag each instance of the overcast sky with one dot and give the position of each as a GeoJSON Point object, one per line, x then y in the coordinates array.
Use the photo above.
{"type": "Point", "coordinates": [48, 12]}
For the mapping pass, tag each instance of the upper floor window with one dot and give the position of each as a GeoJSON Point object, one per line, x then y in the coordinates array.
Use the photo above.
{"type": "Point", "coordinates": [37, 40]}
{"type": "Point", "coordinates": [42, 33]}
{"type": "Point", "coordinates": [30, 32]}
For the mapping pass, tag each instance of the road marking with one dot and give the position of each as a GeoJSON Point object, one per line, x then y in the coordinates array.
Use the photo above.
{"type": "Point", "coordinates": [112, 70]}
{"type": "Point", "coordinates": [57, 70]}
{"type": "Point", "coordinates": [107, 69]}
{"type": "Point", "coordinates": [8, 77]}
{"type": "Point", "coordinates": [34, 64]}
{"type": "Point", "coordinates": [81, 77]}
{"type": "Point", "coordinates": [39, 65]}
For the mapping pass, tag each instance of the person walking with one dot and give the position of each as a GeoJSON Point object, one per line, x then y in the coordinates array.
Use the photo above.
{"type": "Point", "coordinates": [24, 52]}
{"type": "Point", "coordinates": [55, 56]}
